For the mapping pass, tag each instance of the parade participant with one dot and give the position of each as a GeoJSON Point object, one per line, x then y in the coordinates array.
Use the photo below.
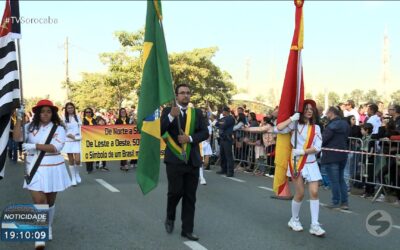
{"type": "Point", "coordinates": [304, 153]}
{"type": "Point", "coordinates": [123, 119]}
{"type": "Point", "coordinates": [73, 142]}
{"type": "Point", "coordinates": [205, 148]}
{"type": "Point", "coordinates": [101, 121]}
{"type": "Point", "coordinates": [89, 120]}
{"type": "Point", "coordinates": [182, 169]}
{"type": "Point", "coordinates": [51, 175]}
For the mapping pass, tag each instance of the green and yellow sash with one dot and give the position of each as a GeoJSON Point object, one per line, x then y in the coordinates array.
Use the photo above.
{"type": "Point", "coordinates": [175, 148]}
{"type": "Point", "coordinates": [301, 160]}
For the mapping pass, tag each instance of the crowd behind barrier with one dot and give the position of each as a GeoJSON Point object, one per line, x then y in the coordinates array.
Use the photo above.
{"type": "Point", "coordinates": [371, 163]}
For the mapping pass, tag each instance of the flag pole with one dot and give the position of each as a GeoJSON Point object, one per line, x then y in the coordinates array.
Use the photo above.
{"type": "Point", "coordinates": [183, 153]}
{"type": "Point", "coordinates": [296, 107]}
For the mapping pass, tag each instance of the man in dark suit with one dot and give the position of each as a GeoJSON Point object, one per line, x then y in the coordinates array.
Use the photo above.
{"type": "Point", "coordinates": [182, 168]}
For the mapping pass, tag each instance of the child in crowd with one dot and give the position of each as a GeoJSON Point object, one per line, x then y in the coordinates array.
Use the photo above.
{"type": "Point", "coordinates": [367, 162]}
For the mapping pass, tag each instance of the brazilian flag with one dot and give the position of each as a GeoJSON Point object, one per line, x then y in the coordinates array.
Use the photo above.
{"type": "Point", "coordinates": [156, 89]}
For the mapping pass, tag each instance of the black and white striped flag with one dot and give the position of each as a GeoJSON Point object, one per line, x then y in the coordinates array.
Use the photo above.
{"type": "Point", "coordinates": [9, 75]}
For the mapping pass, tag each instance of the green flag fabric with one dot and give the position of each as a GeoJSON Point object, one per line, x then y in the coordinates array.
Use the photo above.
{"type": "Point", "coordinates": [156, 89]}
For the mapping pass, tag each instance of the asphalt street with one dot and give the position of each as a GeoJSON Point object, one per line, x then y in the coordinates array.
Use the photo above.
{"type": "Point", "coordinates": [108, 211]}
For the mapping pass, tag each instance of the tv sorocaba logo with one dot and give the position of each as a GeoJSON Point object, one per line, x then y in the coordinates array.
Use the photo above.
{"type": "Point", "coordinates": [379, 223]}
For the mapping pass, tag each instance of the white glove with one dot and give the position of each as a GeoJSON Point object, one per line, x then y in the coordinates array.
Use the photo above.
{"type": "Point", "coordinates": [28, 146]}
{"type": "Point", "coordinates": [20, 113]}
{"type": "Point", "coordinates": [298, 152]}
{"type": "Point", "coordinates": [295, 117]}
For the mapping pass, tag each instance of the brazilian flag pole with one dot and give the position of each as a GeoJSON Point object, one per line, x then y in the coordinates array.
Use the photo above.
{"type": "Point", "coordinates": [156, 89]}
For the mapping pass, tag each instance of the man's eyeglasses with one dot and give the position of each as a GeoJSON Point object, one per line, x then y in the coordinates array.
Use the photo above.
{"type": "Point", "coordinates": [184, 93]}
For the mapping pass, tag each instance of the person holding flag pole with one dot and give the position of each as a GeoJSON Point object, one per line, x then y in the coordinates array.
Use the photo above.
{"type": "Point", "coordinates": [299, 137]}
{"type": "Point", "coordinates": [182, 155]}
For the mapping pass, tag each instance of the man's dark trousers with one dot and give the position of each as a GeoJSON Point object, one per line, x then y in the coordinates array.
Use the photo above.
{"type": "Point", "coordinates": [183, 181]}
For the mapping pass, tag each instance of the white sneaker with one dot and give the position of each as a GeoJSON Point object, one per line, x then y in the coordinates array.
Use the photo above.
{"type": "Point", "coordinates": [203, 181]}
{"type": "Point", "coordinates": [381, 198]}
{"type": "Point", "coordinates": [295, 225]}
{"type": "Point", "coordinates": [317, 230]}
{"type": "Point", "coordinates": [78, 178]}
{"type": "Point", "coordinates": [40, 244]}
{"type": "Point", "coordinates": [50, 233]}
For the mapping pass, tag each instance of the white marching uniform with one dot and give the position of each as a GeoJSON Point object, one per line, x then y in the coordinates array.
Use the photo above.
{"type": "Point", "coordinates": [73, 127]}
{"type": "Point", "coordinates": [310, 171]}
{"type": "Point", "coordinates": [205, 145]}
{"type": "Point", "coordinates": [52, 175]}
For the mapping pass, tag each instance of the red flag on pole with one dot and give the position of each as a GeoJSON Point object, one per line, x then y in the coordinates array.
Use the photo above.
{"type": "Point", "coordinates": [291, 98]}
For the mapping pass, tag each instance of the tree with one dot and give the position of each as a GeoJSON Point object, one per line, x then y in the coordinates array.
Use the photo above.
{"type": "Point", "coordinates": [92, 91]}
{"type": "Point", "coordinates": [333, 99]}
{"type": "Point", "coordinates": [396, 97]}
{"type": "Point", "coordinates": [123, 77]}
{"type": "Point", "coordinates": [208, 83]}
{"type": "Point", "coordinates": [372, 96]}
{"type": "Point", "coordinates": [357, 95]}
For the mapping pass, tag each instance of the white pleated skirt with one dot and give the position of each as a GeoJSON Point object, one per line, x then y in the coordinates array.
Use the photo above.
{"type": "Point", "coordinates": [50, 179]}
{"type": "Point", "coordinates": [72, 147]}
{"type": "Point", "coordinates": [310, 172]}
{"type": "Point", "coordinates": [206, 148]}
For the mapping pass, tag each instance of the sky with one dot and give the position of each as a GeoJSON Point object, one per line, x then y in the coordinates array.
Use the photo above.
{"type": "Point", "coordinates": [343, 40]}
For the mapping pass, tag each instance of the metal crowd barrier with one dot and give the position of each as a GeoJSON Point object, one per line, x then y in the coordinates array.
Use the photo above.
{"type": "Point", "coordinates": [251, 152]}
{"type": "Point", "coordinates": [372, 162]}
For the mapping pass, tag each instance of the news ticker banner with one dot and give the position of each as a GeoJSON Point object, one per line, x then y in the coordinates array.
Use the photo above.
{"type": "Point", "coordinates": [25, 222]}
{"type": "Point", "coordinates": [111, 143]}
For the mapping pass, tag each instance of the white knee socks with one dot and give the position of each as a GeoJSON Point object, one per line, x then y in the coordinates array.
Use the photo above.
{"type": "Point", "coordinates": [77, 176]}
{"type": "Point", "coordinates": [52, 210]}
{"type": "Point", "coordinates": [201, 173]}
{"type": "Point", "coordinates": [72, 172]}
{"type": "Point", "coordinates": [314, 208]}
{"type": "Point", "coordinates": [295, 209]}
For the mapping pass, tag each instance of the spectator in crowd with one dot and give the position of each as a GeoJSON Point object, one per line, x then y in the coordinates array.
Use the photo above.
{"type": "Point", "coordinates": [367, 167]}
{"type": "Point", "coordinates": [240, 149]}
{"type": "Point", "coordinates": [265, 146]}
{"type": "Point", "coordinates": [335, 137]}
{"type": "Point", "coordinates": [373, 118]}
{"type": "Point", "coordinates": [205, 148]}
{"type": "Point", "coordinates": [341, 106]}
{"type": "Point", "coordinates": [362, 111]}
{"type": "Point", "coordinates": [394, 112]}
{"type": "Point", "coordinates": [350, 110]}
{"type": "Point", "coordinates": [225, 126]}
{"type": "Point", "coordinates": [380, 105]}
{"type": "Point", "coordinates": [89, 120]}
{"type": "Point", "coordinates": [249, 149]}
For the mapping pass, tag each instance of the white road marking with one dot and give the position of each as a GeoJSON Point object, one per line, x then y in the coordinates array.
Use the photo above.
{"type": "Point", "coordinates": [266, 188]}
{"type": "Point", "coordinates": [234, 179]}
{"type": "Point", "coordinates": [396, 226]}
{"type": "Point", "coordinates": [107, 185]}
{"type": "Point", "coordinates": [194, 245]}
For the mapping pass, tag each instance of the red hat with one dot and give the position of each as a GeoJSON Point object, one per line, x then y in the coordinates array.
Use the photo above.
{"type": "Point", "coordinates": [43, 103]}
{"type": "Point", "coordinates": [311, 102]}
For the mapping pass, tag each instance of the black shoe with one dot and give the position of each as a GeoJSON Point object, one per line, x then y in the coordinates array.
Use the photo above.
{"type": "Point", "coordinates": [169, 226]}
{"type": "Point", "coordinates": [190, 236]}
{"type": "Point", "coordinates": [207, 168]}
{"type": "Point", "coordinates": [229, 175]}
{"type": "Point", "coordinates": [221, 172]}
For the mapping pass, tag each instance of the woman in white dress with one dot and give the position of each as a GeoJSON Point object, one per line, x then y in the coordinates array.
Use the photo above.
{"type": "Point", "coordinates": [51, 176]}
{"type": "Point", "coordinates": [206, 150]}
{"type": "Point", "coordinates": [309, 143]}
{"type": "Point", "coordinates": [73, 141]}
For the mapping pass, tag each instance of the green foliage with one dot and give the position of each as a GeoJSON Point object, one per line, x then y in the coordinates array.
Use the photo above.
{"type": "Point", "coordinates": [372, 96]}
{"type": "Point", "coordinates": [208, 83]}
{"type": "Point", "coordinates": [396, 97]}
{"type": "Point", "coordinates": [121, 83]}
